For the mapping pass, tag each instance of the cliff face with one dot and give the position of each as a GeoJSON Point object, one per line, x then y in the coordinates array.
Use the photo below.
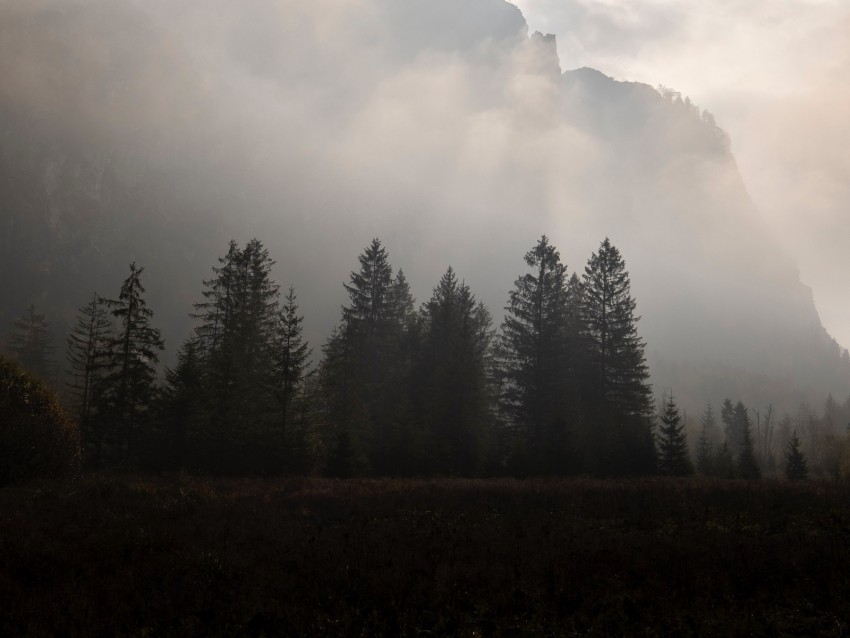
{"type": "Point", "coordinates": [724, 310]}
{"type": "Point", "coordinates": [157, 132]}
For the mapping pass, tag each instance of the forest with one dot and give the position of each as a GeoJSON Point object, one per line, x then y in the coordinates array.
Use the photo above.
{"type": "Point", "coordinates": [560, 388]}
{"type": "Point", "coordinates": [422, 473]}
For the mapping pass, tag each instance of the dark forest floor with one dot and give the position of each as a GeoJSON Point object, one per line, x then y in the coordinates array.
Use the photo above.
{"type": "Point", "coordinates": [150, 556]}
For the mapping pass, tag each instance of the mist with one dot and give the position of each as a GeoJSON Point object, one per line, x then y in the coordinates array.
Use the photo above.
{"type": "Point", "coordinates": [448, 131]}
{"type": "Point", "coordinates": [773, 75]}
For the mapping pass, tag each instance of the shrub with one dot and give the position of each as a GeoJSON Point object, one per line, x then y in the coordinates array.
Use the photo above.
{"type": "Point", "coordinates": [37, 439]}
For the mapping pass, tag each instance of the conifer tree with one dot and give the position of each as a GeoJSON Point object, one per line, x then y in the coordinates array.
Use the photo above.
{"type": "Point", "coordinates": [536, 352]}
{"type": "Point", "coordinates": [216, 312]}
{"type": "Point", "coordinates": [732, 425]}
{"type": "Point", "coordinates": [237, 340]}
{"type": "Point", "coordinates": [339, 399]}
{"type": "Point", "coordinates": [181, 410]}
{"type": "Point", "coordinates": [293, 354]}
{"type": "Point", "coordinates": [402, 300]}
{"type": "Point", "coordinates": [88, 347]}
{"type": "Point", "coordinates": [453, 389]}
{"type": "Point", "coordinates": [746, 465]}
{"type": "Point", "coordinates": [615, 350]}
{"type": "Point", "coordinates": [673, 459]}
{"type": "Point", "coordinates": [704, 451]}
{"type": "Point", "coordinates": [365, 374]}
{"type": "Point", "coordinates": [796, 468]}
{"type": "Point", "coordinates": [371, 294]}
{"type": "Point", "coordinates": [128, 386]}
{"type": "Point", "coordinates": [615, 376]}
{"type": "Point", "coordinates": [32, 345]}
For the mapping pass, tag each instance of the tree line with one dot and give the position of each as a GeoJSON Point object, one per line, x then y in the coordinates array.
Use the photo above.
{"type": "Point", "coordinates": [561, 387]}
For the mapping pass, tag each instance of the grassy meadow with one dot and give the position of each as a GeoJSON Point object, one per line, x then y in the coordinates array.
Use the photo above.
{"type": "Point", "coordinates": [127, 555]}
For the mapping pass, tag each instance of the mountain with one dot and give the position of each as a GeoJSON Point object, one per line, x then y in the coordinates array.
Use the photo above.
{"type": "Point", "coordinates": [157, 131]}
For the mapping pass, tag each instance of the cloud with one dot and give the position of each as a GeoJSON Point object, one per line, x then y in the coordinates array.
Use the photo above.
{"type": "Point", "coordinates": [439, 126]}
{"type": "Point", "coordinates": [774, 74]}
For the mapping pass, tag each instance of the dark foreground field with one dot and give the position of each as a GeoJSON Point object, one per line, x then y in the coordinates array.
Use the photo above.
{"type": "Point", "coordinates": [139, 556]}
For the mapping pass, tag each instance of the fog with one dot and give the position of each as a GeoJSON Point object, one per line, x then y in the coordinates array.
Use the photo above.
{"type": "Point", "coordinates": [450, 133]}
{"type": "Point", "coordinates": [774, 74]}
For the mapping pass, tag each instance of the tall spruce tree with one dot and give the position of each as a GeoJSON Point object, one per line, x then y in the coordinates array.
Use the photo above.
{"type": "Point", "coordinates": [402, 300]}
{"type": "Point", "coordinates": [746, 465]}
{"type": "Point", "coordinates": [181, 410]}
{"type": "Point", "coordinates": [292, 358]}
{"type": "Point", "coordinates": [615, 350]}
{"type": "Point", "coordinates": [673, 459]}
{"type": "Point", "coordinates": [796, 468]}
{"type": "Point", "coordinates": [364, 374]}
{"type": "Point", "coordinates": [128, 386]}
{"type": "Point", "coordinates": [616, 385]}
{"type": "Point", "coordinates": [237, 338]}
{"type": "Point", "coordinates": [536, 351]}
{"type": "Point", "coordinates": [371, 296]}
{"type": "Point", "coordinates": [732, 426]}
{"type": "Point", "coordinates": [32, 345]}
{"type": "Point", "coordinates": [453, 389]}
{"type": "Point", "coordinates": [88, 347]}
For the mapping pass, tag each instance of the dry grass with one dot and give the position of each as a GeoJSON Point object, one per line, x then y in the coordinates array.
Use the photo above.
{"type": "Point", "coordinates": [142, 556]}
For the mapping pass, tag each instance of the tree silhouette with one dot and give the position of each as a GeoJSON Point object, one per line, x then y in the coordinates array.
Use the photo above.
{"type": "Point", "coordinates": [88, 347]}
{"type": "Point", "coordinates": [746, 466]}
{"type": "Point", "coordinates": [182, 403]}
{"type": "Point", "coordinates": [615, 377]}
{"type": "Point", "coordinates": [796, 468]}
{"type": "Point", "coordinates": [128, 386]}
{"type": "Point", "coordinates": [536, 351]}
{"type": "Point", "coordinates": [452, 395]}
{"type": "Point", "coordinates": [238, 338]}
{"type": "Point", "coordinates": [673, 459]}
{"type": "Point", "coordinates": [365, 371]}
{"type": "Point", "coordinates": [292, 357]}
{"type": "Point", "coordinates": [704, 451]}
{"type": "Point", "coordinates": [617, 363]}
{"type": "Point", "coordinates": [733, 419]}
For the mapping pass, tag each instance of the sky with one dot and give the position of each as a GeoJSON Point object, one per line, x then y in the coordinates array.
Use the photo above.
{"type": "Point", "coordinates": [776, 75]}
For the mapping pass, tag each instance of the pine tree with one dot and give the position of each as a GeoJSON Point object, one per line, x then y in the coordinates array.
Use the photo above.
{"type": "Point", "coordinates": [536, 350]}
{"type": "Point", "coordinates": [746, 466]}
{"type": "Point", "coordinates": [673, 459]}
{"type": "Point", "coordinates": [182, 410]}
{"type": "Point", "coordinates": [705, 452]}
{"type": "Point", "coordinates": [364, 374]}
{"type": "Point", "coordinates": [453, 390]}
{"type": "Point", "coordinates": [237, 340]}
{"type": "Point", "coordinates": [401, 300]}
{"type": "Point", "coordinates": [213, 333]}
{"type": "Point", "coordinates": [32, 345]}
{"type": "Point", "coordinates": [796, 468]}
{"type": "Point", "coordinates": [615, 351]}
{"type": "Point", "coordinates": [128, 386]}
{"type": "Point", "coordinates": [731, 426]}
{"type": "Point", "coordinates": [371, 293]}
{"type": "Point", "coordinates": [88, 347]}
{"type": "Point", "coordinates": [293, 355]}
{"type": "Point", "coordinates": [615, 376]}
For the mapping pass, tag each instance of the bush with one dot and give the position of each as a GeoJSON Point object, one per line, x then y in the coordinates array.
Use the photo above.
{"type": "Point", "coordinates": [37, 439]}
